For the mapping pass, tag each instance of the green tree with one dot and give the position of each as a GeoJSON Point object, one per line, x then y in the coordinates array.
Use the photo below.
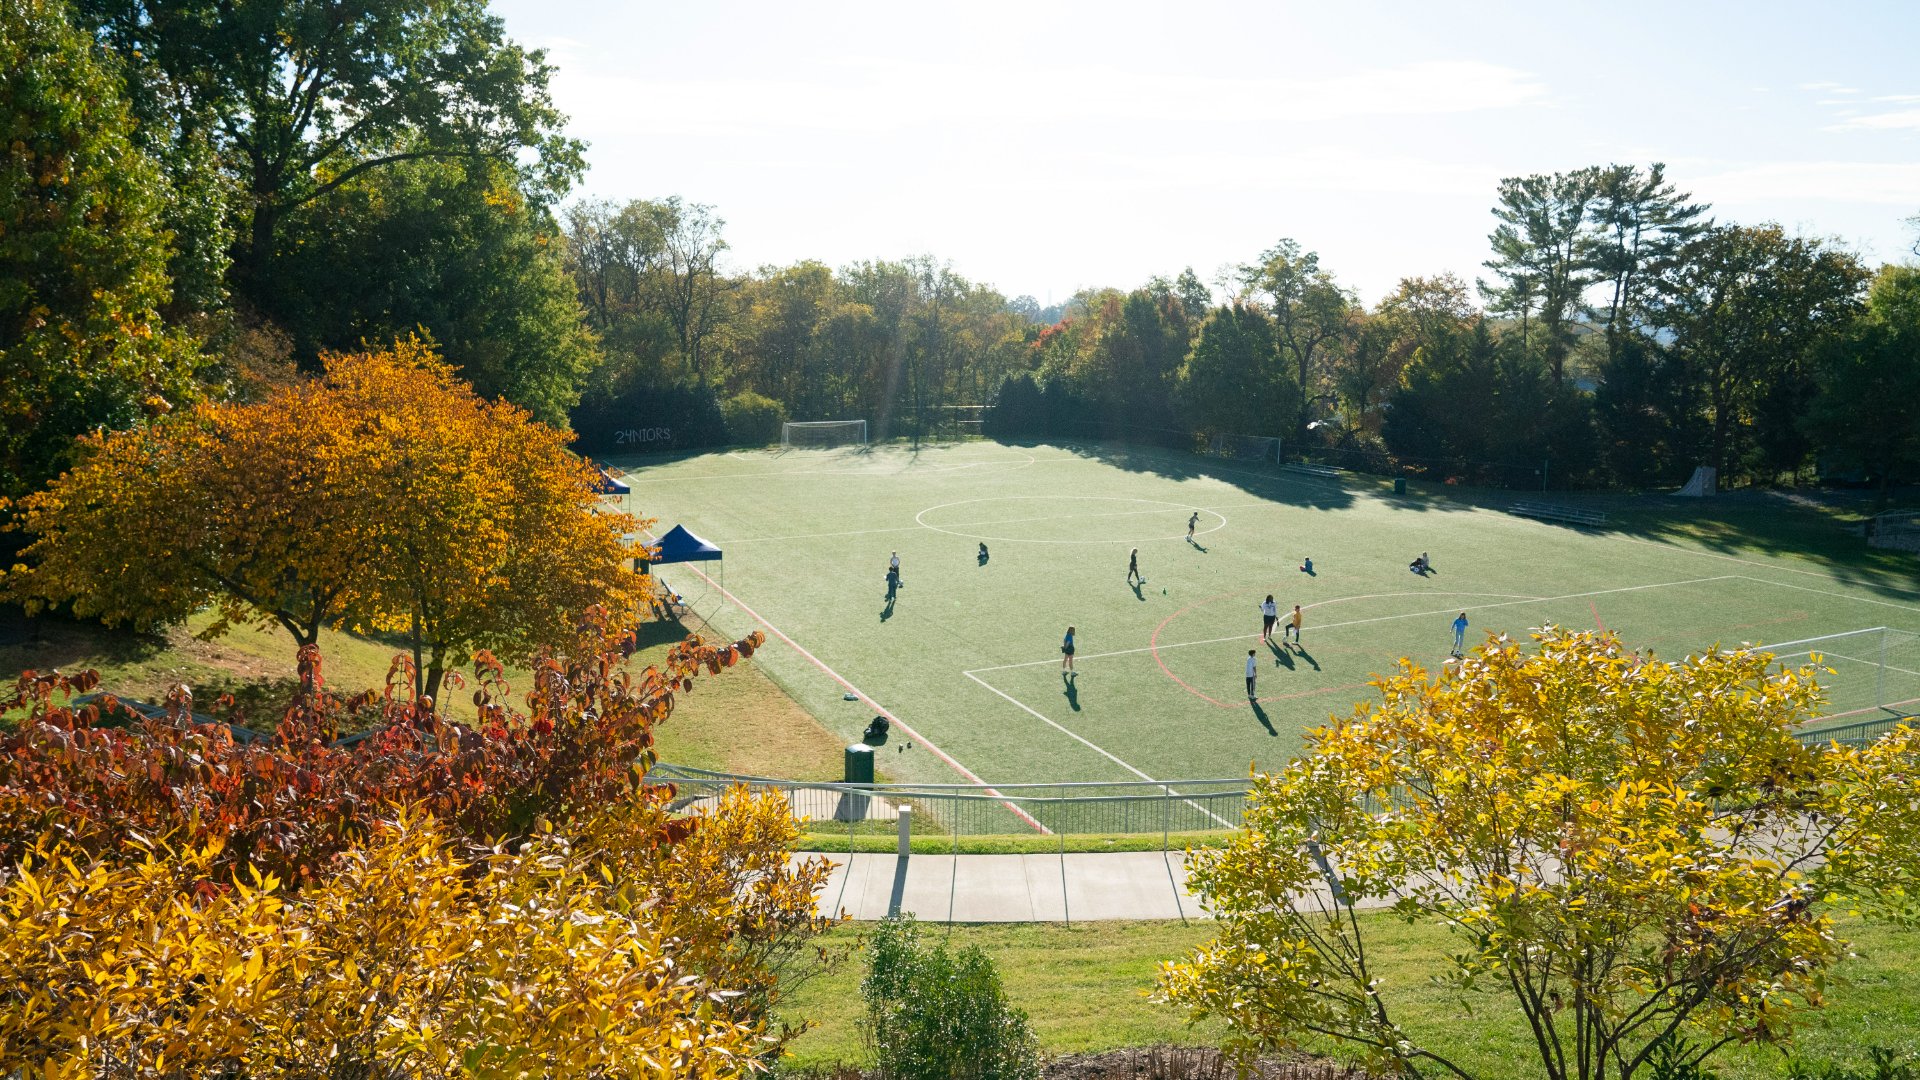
{"type": "Point", "coordinates": [1622, 849]}
{"type": "Point", "coordinates": [83, 253]}
{"type": "Point", "coordinates": [450, 248]}
{"type": "Point", "coordinates": [301, 97]}
{"type": "Point", "coordinates": [1753, 305]}
{"type": "Point", "coordinates": [1869, 380]}
{"type": "Point", "coordinates": [1642, 226]}
{"type": "Point", "coordinates": [1312, 315]}
{"type": "Point", "coordinates": [1233, 381]}
{"type": "Point", "coordinates": [1541, 255]}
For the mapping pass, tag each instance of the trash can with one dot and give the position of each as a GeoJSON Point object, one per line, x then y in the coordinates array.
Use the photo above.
{"type": "Point", "coordinates": [1399, 485]}
{"type": "Point", "coordinates": [859, 764]}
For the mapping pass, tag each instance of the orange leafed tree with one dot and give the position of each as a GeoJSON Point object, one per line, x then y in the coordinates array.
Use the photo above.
{"type": "Point", "coordinates": [384, 495]}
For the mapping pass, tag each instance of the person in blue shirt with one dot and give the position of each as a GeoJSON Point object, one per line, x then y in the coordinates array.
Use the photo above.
{"type": "Point", "coordinates": [1066, 653]}
{"type": "Point", "coordinates": [1459, 633]}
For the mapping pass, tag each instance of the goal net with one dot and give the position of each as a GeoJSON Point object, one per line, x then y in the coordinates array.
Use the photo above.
{"type": "Point", "coordinates": [1701, 485]}
{"type": "Point", "coordinates": [1896, 529]}
{"type": "Point", "coordinates": [1246, 447]}
{"type": "Point", "coordinates": [811, 433]}
{"type": "Point", "coordinates": [1873, 674]}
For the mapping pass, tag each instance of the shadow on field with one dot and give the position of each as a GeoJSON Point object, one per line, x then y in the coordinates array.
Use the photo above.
{"type": "Point", "coordinates": [1260, 714]}
{"type": "Point", "coordinates": [1263, 481]}
{"type": "Point", "coordinates": [53, 640]}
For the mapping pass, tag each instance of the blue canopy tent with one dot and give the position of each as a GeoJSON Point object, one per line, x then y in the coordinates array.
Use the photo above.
{"type": "Point", "coordinates": [609, 484]}
{"type": "Point", "coordinates": [678, 545]}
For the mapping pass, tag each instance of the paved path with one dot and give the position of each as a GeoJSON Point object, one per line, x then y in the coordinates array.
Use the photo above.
{"type": "Point", "coordinates": [1011, 888]}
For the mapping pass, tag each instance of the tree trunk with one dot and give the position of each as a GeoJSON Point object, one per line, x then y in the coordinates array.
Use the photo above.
{"type": "Point", "coordinates": [419, 687]}
{"type": "Point", "coordinates": [436, 672]}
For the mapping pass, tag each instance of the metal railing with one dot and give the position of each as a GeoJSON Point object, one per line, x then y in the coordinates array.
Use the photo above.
{"type": "Point", "coordinates": [1132, 808]}
{"type": "Point", "coordinates": [1113, 809]}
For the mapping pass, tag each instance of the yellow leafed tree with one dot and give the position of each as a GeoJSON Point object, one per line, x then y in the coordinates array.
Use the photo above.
{"type": "Point", "coordinates": [1634, 854]}
{"type": "Point", "coordinates": [383, 495]}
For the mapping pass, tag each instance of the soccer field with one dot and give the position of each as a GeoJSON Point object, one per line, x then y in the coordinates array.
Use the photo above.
{"type": "Point", "coordinates": [968, 655]}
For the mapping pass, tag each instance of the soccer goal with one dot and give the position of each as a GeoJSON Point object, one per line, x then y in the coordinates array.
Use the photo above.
{"type": "Point", "coordinates": [814, 433]}
{"type": "Point", "coordinates": [1701, 485]}
{"type": "Point", "coordinates": [1246, 447]}
{"type": "Point", "coordinates": [1874, 672]}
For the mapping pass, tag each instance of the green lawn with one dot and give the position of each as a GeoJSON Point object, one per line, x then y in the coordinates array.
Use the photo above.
{"type": "Point", "coordinates": [1085, 989]}
{"type": "Point", "coordinates": [739, 721]}
{"type": "Point", "coordinates": [968, 655]}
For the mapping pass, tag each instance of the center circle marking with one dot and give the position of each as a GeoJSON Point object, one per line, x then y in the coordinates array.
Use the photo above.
{"type": "Point", "coordinates": [1153, 504]}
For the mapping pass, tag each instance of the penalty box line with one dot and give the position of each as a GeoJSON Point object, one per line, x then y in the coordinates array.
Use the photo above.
{"type": "Point", "coordinates": [1090, 744]}
{"type": "Point", "coordinates": [1383, 618]}
{"type": "Point", "coordinates": [951, 761]}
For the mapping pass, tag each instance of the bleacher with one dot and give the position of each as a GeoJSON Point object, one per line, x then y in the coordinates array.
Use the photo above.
{"type": "Point", "coordinates": [1558, 513]}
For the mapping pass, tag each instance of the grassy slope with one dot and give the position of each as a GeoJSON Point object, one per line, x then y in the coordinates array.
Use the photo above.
{"type": "Point", "coordinates": [1084, 989]}
{"type": "Point", "coordinates": [738, 722]}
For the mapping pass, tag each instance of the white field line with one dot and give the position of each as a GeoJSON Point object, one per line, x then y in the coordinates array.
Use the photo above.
{"type": "Point", "coordinates": [1829, 592]}
{"type": "Point", "coordinates": [1089, 744]}
{"type": "Point", "coordinates": [1181, 509]}
{"type": "Point", "coordinates": [1749, 562]}
{"type": "Point", "coordinates": [1379, 619]}
{"type": "Point", "coordinates": [1014, 463]}
{"type": "Point", "coordinates": [877, 707]}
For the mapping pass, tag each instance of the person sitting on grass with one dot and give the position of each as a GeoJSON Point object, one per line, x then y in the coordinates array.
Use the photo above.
{"type": "Point", "coordinates": [1422, 565]}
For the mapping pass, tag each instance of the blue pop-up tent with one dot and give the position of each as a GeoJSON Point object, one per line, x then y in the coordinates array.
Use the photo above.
{"type": "Point", "coordinates": [679, 545]}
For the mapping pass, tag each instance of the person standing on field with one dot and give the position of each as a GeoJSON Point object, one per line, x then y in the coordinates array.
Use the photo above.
{"type": "Point", "coordinates": [1269, 614]}
{"type": "Point", "coordinates": [1253, 672]}
{"type": "Point", "coordinates": [1192, 523]}
{"type": "Point", "coordinates": [1293, 626]}
{"type": "Point", "coordinates": [1459, 633]}
{"type": "Point", "coordinates": [1133, 568]}
{"type": "Point", "coordinates": [1066, 653]}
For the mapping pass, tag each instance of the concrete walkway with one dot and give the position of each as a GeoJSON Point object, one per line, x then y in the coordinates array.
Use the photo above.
{"type": "Point", "coordinates": [1010, 888]}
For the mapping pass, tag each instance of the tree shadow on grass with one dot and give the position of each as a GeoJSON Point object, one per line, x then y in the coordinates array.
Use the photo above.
{"type": "Point", "coordinates": [50, 640]}
{"type": "Point", "coordinates": [1265, 481]}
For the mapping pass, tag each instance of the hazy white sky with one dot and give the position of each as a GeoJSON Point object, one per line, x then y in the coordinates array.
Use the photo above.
{"type": "Point", "coordinates": [1045, 147]}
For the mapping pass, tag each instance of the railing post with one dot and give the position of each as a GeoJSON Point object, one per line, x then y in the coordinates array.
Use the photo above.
{"type": "Point", "coordinates": [906, 829]}
{"type": "Point", "coordinates": [1880, 673]}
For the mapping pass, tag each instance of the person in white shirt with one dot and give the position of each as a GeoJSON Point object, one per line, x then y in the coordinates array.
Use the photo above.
{"type": "Point", "coordinates": [1253, 670]}
{"type": "Point", "coordinates": [1269, 614]}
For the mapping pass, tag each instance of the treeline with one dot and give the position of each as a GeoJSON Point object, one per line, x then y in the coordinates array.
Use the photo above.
{"type": "Point", "coordinates": [198, 204]}
{"type": "Point", "coordinates": [1622, 336]}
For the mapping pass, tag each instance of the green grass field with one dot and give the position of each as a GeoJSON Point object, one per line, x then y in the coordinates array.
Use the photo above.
{"type": "Point", "coordinates": [1085, 988]}
{"type": "Point", "coordinates": [968, 656]}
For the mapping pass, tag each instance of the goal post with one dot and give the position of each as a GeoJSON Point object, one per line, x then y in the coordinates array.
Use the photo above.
{"type": "Point", "coordinates": [1871, 673]}
{"type": "Point", "coordinates": [1245, 447]}
{"type": "Point", "coordinates": [805, 434]}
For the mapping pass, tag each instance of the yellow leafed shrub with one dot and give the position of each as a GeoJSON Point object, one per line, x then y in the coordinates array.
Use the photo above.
{"type": "Point", "coordinates": [629, 949]}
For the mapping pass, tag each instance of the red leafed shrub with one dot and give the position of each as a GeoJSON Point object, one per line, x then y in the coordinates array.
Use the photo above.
{"type": "Point", "coordinates": [289, 804]}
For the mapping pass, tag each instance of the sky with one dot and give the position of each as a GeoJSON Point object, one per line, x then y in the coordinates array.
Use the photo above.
{"type": "Point", "coordinates": [1046, 147]}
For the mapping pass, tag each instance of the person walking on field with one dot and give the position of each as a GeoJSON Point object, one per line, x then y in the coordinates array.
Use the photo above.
{"type": "Point", "coordinates": [1459, 633]}
{"type": "Point", "coordinates": [1293, 626]}
{"type": "Point", "coordinates": [1133, 569]}
{"type": "Point", "coordinates": [1192, 523]}
{"type": "Point", "coordinates": [1269, 614]}
{"type": "Point", "coordinates": [1253, 672]}
{"type": "Point", "coordinates": [1066, 653]}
